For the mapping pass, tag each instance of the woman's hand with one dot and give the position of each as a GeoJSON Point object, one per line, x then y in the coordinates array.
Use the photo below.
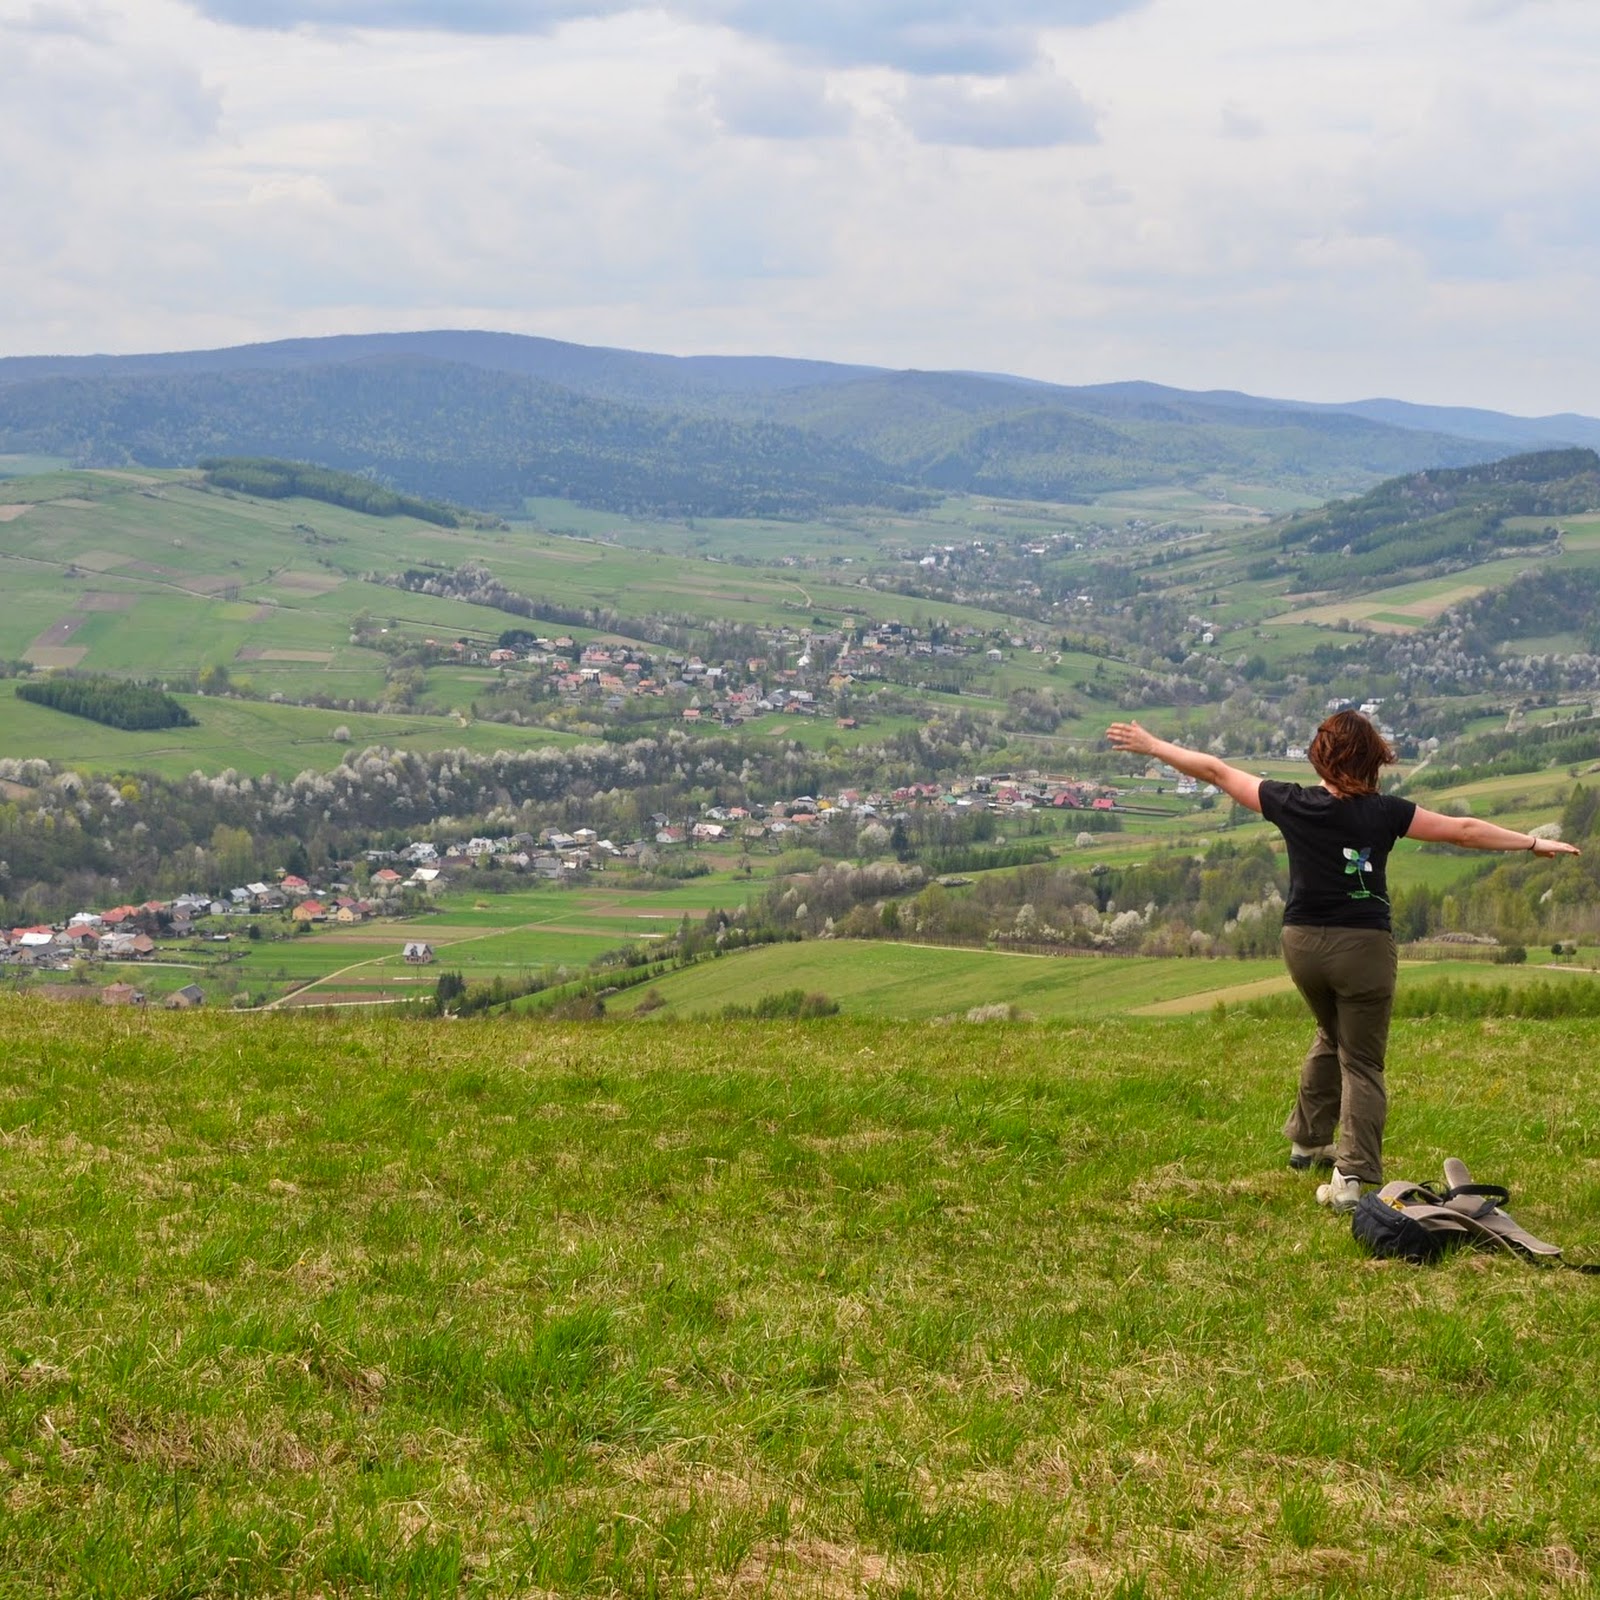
{"type": "Point", "coordinates": [1554, 847]}
{"type": "Point", "coordinates": [1130, 736]}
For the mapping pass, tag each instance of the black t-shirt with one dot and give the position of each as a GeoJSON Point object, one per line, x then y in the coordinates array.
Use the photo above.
{"type": "Point", "coordinates": [1338, 849]}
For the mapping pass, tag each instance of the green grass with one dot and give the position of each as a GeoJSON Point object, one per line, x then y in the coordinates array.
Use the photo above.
{"type": "Point", "coordinates": [923, 982]}
{"type": "Point", "coordinates": [1412, 603]}
{"type": "Point", "coordinates": [252, 736]}
{"type": "Point", "coordinates": [311, 1306]}
{"type": "Point", "coordinates": [479, 932]}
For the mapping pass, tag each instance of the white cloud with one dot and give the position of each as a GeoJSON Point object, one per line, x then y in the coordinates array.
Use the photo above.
{"type": "Point", "coordinates": [1030, 112]}
{"type": "Point", "coordinates": [937, 36]}
{"type": "Point", "coordinates": [767, 102]}
{"type": "Point", "coordinates": [1237, 123]}
{"type": "Point", "coordinates": [1392, 196]}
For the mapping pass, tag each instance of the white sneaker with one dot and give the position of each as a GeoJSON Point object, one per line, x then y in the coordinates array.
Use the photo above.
{"type": "Point", "coordinates": [1304, 1156]}
{"type": "Point", "coordinates": [1340, 1192]}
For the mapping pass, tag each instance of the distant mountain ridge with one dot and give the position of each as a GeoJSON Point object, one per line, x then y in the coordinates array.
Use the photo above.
{"type": "Point", "coordinates": [489, 419]}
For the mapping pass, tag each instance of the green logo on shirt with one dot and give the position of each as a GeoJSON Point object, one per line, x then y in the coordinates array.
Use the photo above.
{"type": "Point", "coordinates": [1359, 862]}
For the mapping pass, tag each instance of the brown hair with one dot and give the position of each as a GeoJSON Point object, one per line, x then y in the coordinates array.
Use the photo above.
{"type": "Point", "coordinates": [1348, 752]}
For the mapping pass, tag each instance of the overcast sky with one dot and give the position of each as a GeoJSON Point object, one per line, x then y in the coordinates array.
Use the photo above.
{"type": "Point", "coordinates": [1314, 200]}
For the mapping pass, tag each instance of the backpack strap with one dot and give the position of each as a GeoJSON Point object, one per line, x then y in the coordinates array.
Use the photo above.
{"type": "Point", "coordinates": [1492, 1195]}
{"type": "Point", "coordinates": [1480, 1204]}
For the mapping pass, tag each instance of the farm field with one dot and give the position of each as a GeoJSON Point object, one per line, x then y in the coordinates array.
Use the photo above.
{"type": "Point", "coordinates": [483, 938]}
{"type": "Point", "coordinates": [1406, 606]}
{"type": "Point", "coordinates": [168, 536]}
{"type": "Point", "coordinates": [366, 1306]}
{"type": "Point", "coordinates": [848, 538]}
{"type": "Point", "coordinates": [251, 736]}
{"type": "Point", "coordinates": [923, 982]}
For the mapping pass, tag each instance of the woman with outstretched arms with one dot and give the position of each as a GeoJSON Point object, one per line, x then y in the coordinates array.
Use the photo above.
{"type": "Point", "coordinates": [1337, 939]}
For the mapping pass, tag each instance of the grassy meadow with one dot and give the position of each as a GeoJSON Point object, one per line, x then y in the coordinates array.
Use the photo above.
{"type": "Point", "coordinates": [310, 1306]}
{"type": "Point", "coordinates": [251, 736]}
{"type": "Point", "coordinates": [925, 982]}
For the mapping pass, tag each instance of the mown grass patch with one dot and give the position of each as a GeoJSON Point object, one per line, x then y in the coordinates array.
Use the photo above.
{"type": "Point", "coordinates": [307, 1305]}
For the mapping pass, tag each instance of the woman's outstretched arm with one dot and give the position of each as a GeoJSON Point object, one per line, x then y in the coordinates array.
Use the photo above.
{"type": "Point", "coordinates": [1241, 786]}
{"type": "Point", "coordinates": [1473, 834]}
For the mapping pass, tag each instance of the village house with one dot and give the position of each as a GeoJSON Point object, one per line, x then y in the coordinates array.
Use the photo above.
{"type": "Point", "coordinates": [417, 953]}
{"type": "Point", "coordinates": [186, 999]}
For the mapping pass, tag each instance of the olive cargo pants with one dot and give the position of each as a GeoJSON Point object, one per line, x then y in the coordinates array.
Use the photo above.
{"type": "Point", "coordinates": [1347, 977]}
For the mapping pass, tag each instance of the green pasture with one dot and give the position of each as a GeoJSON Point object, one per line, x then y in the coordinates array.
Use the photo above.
{"type": "Point", "coordinates": [252, 736]}
{"type": "Point", "coordinates": [819, 733]}
{"type": "Point", "coordinates": [1277, 642]}
{"type": "Point", "coordinates": [367, 1306]}
{"type": "Point", "coordinates": [376, 965]}
{"type": "Point", "coordinates": [1413, 604]}
{"type": "Point", "coordinates": [1436, 867]}
{"type": "Point", "coordinates": [918, 982]}
{"type": "Point", "coordinates": [859, 536]}
{"type": "Point", "coordinates": [1267, 499]}
{"type": "Point", "coordinates": [922, 982]}
{"type": "Point", "coordinates": [484, 934]}
{"type": "Point", "coordinates": [1514, 800]}
{"type": "Point", "coordinates": [1580, 532]}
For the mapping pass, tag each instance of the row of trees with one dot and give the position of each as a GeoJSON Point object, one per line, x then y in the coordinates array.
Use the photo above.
{"type": "Point", "coordinates": [67, 841]}
{"type": "Point", "coordinates": [272, 479]}
{"type": "Point", "coordinates": [1228, 902]}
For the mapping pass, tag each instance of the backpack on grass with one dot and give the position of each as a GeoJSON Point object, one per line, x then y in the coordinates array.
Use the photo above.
{"type": "Point", "coordinates": [1420, 1223]}
{"type": "Point", "coordinates": [1406, 1222]}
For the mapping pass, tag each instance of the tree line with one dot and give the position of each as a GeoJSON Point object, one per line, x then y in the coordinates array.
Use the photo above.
{"type": "Point", "coordinates": [272, 479]}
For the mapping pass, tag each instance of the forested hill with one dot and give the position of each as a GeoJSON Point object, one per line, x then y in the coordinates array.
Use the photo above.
{"type": "Point", "coordinates": [447, 432]}
{"type": "Point", "coordinates": [1444, 516]}
{"type": "Point", "coordinates": [487, 419]}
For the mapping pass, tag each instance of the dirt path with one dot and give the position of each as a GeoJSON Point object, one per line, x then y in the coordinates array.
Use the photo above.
{"type": "Point", "coordinates": [1186, 1004]}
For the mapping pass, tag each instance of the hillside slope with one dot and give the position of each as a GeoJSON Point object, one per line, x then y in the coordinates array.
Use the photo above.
{"type": "Point", "coordinates": [490, 419]}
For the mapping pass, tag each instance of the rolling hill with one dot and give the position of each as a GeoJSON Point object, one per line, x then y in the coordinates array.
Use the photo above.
{"type": "Point", "coordinates": [491, 420]}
